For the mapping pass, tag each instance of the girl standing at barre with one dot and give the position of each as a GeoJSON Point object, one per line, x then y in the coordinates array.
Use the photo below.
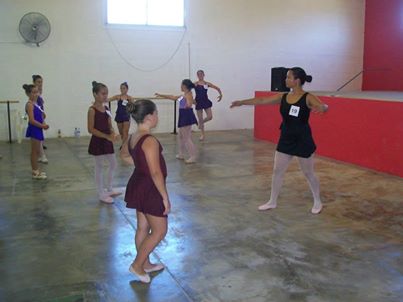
{"type": "Point", "coordinates": [185, 121]}
{"type": "Point", "coordinates": [101, 144]}
{"type": "Point", "coordinates": [122, 118]}
{"type": "Point", "coordinates": [36, 125]}
{"type": "Point", "coordinates": [146, 190]}
{"type": "Point", "coordinates": [203, 102]}
{"type": "Point", "coordinates": [296, 136]}
{"type": "Point", "coordinates": [38, 82]}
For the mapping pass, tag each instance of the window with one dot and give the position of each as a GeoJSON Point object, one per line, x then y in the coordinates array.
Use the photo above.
{"type": "Point", "coordinates": [146, 12]}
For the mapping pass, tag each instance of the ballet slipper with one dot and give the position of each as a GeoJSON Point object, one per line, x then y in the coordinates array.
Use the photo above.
{"type": "Point", "coordinates": [190, 161]}
{"type": "Point", "coordinates": [105, 198]}
{"type": "Point", "coordinates": [43, 160]}
{"type": "Point", "coordinates": [180, 157]}
{"type": "Point", "coordinates": [155, 268]}
{"type": "Point", "coordinates": [38, 175]}
{"type": "Point", "coordinates": [113, 193]}
{"type": "Point", "coordinates": [317, 209]}
{"type": "Point", "coordinates": [143, 278]}
{"type": "Point", "coordinates": [267, 206]}
{"type": "Point", "coordinates": [202, 137]}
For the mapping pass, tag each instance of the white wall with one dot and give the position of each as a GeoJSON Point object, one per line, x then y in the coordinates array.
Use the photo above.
{"type": "Point", "coordinates": [235, 41]}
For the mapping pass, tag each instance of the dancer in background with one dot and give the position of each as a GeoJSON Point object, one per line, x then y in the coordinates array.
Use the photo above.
{"type": "Point", "coordinates": [296, 136]}
{"type": "Point", "coordinates": [122, 118]}
{"type": "Point", "coordinates": [146, 190]}
{"type": "Point", "coordinates": [203, 102]}
{"type": "Point", "coordinates": [185, 121]}
{"type": "Point", "coordinates": [101, 144]}
{"type": "Point", "coordinates": [36, 125]}
{"type": "Point", "coordinates": [37, 80]}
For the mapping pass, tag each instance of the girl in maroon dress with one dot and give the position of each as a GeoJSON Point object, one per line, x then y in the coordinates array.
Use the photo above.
{"type": "Point", "coordinates": [101, 144]}
{"type": "Point", "coordinates": [146, 190]}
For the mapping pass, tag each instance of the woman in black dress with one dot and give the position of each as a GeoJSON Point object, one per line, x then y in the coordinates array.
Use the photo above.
{"type": "Point", "coordinates": [296, 136]}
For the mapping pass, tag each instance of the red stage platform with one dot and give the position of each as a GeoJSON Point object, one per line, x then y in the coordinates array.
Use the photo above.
{"type": "Point", "coordinates": [363, 128]}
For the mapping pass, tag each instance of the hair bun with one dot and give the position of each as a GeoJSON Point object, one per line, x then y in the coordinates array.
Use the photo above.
{"type": "Point", "coordinates": [94, 83]}
{"type": "Point", "coordinates": [309, 78]}
{"type": "Point", "coordinates": [131, 107]}
{"type": "Point", "coordinates": [25, 86]}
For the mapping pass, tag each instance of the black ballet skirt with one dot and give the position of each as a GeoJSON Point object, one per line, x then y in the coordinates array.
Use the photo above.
{"type": "Point", "coordinates": [296, 135]}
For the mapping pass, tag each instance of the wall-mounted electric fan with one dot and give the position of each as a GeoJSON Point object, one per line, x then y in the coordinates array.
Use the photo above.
{"type": "Point", "coordinates": [34, 28]}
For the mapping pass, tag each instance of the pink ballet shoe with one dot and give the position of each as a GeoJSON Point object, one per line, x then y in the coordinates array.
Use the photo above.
{"type": "Point", "coordinates": [113, 193]}
{"type": "Point", "coordinates": [317, 210]}
{"type": "Point", "coordinates": [267, 206]}
{"type": "Point", "coordinates": [143, 278]}
{"type": "Point", "coordinates": [190, 161]}
{"type": "Point", "coordinates": [156, 268]}
{"type": "Point", "coordinates": [105, 198]}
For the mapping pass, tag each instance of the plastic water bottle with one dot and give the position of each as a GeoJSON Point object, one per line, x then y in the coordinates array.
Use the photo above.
{"type": "Point", "coordinates": [76, 132]}
{"type": "Point", "coordinates": [59, 133]}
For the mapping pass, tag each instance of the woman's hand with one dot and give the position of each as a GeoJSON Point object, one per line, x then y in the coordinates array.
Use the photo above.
{"type": "Point", "coordinates": [236, 104]}
{"type": "Point", "coordinates": [113, 137]}
{"type": "Point", "coordinates": [167, 206]}
{"type": "Point", "coordinates": [45, 126]}
{"type": "Point", "coordinates": [219, 98]}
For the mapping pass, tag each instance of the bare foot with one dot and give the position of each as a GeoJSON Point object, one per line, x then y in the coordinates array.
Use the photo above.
{"type": "Point", "coordinates": [267, 206]}
{"type": "Point", "coordinates": [201, 138]}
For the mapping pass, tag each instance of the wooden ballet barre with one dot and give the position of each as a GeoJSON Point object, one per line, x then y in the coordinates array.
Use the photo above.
{"type": "Point", "coordinates": [149, 98]}
{"type": "Point", "coordinates": [8, 102]}
{"type": "Point", "coordinates": [160, 98]}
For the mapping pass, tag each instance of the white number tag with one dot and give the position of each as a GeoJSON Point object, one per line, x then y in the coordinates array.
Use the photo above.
{"type": "Point", "coordinates": [124, 102]}
{"type": "Point", "coordinates": [108, 113]}
{"type": "Point", "coordinates": [294, 111]}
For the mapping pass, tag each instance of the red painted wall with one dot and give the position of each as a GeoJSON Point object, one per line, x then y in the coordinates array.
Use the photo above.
{"type": "Point", "coordinates": [383, 45]}
{"type": "Point", "coordinates": [364, 132]}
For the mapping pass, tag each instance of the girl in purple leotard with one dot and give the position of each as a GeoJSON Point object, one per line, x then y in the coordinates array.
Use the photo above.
{"type": "Point", "coordinates": [186, 119]}
{"type": "Point", "coordinates": [36, 125]}
{"type": "Point", "coordinates": [203, 102]}
{"type": "Point", "coordinates": [122, 118]}
{"type": "Point", "coordinates": [37, 80]}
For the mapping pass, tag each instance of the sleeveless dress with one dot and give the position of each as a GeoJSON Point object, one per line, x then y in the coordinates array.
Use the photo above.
{"type": "Point", "coordinates": [32, 130]}
{"type": "Point", "coordinates": [141, 192]}
{"type": "Point", "coordinates": [296, 135]}
{"type": "Point", "coordinates": [186, 114]}
{"type": "Point", "coordinates": [121, 112]}
{"type": "Point", "coordinates": [202, 100]}
{"type": "Point", "coordinates": [98, 145]}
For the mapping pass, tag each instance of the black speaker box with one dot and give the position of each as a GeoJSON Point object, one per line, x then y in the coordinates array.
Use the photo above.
{"type": "Point", "coordinates": [278, 76]}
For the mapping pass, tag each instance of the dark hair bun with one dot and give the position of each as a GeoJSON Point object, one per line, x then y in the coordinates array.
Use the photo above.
{"type": "Point", "coordinates": [94, 83]}
{"type": "Point", "coordinates": [131, 107]}
{"type": "Point", "coordinates": [188, 84]}
{"type": "Point", "coordinates": [309, 78]}
{"type": "Point", "coordinates": [28, 88]}
{"type": "Point", "coordinates": [140, 109]}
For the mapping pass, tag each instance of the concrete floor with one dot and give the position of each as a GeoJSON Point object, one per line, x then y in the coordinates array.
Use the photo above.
{"type": "Point", "coordinates": [58, 243]}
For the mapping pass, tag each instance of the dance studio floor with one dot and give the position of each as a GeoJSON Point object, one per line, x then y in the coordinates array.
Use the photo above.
{"type": "Point", "coordinates": [58, 243]}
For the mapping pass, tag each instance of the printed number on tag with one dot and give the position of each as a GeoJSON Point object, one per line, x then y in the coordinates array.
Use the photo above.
{"type": "Point", "coordinates": [294, 111]}
{"type": "Point", "coordinates": [124, 102]}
